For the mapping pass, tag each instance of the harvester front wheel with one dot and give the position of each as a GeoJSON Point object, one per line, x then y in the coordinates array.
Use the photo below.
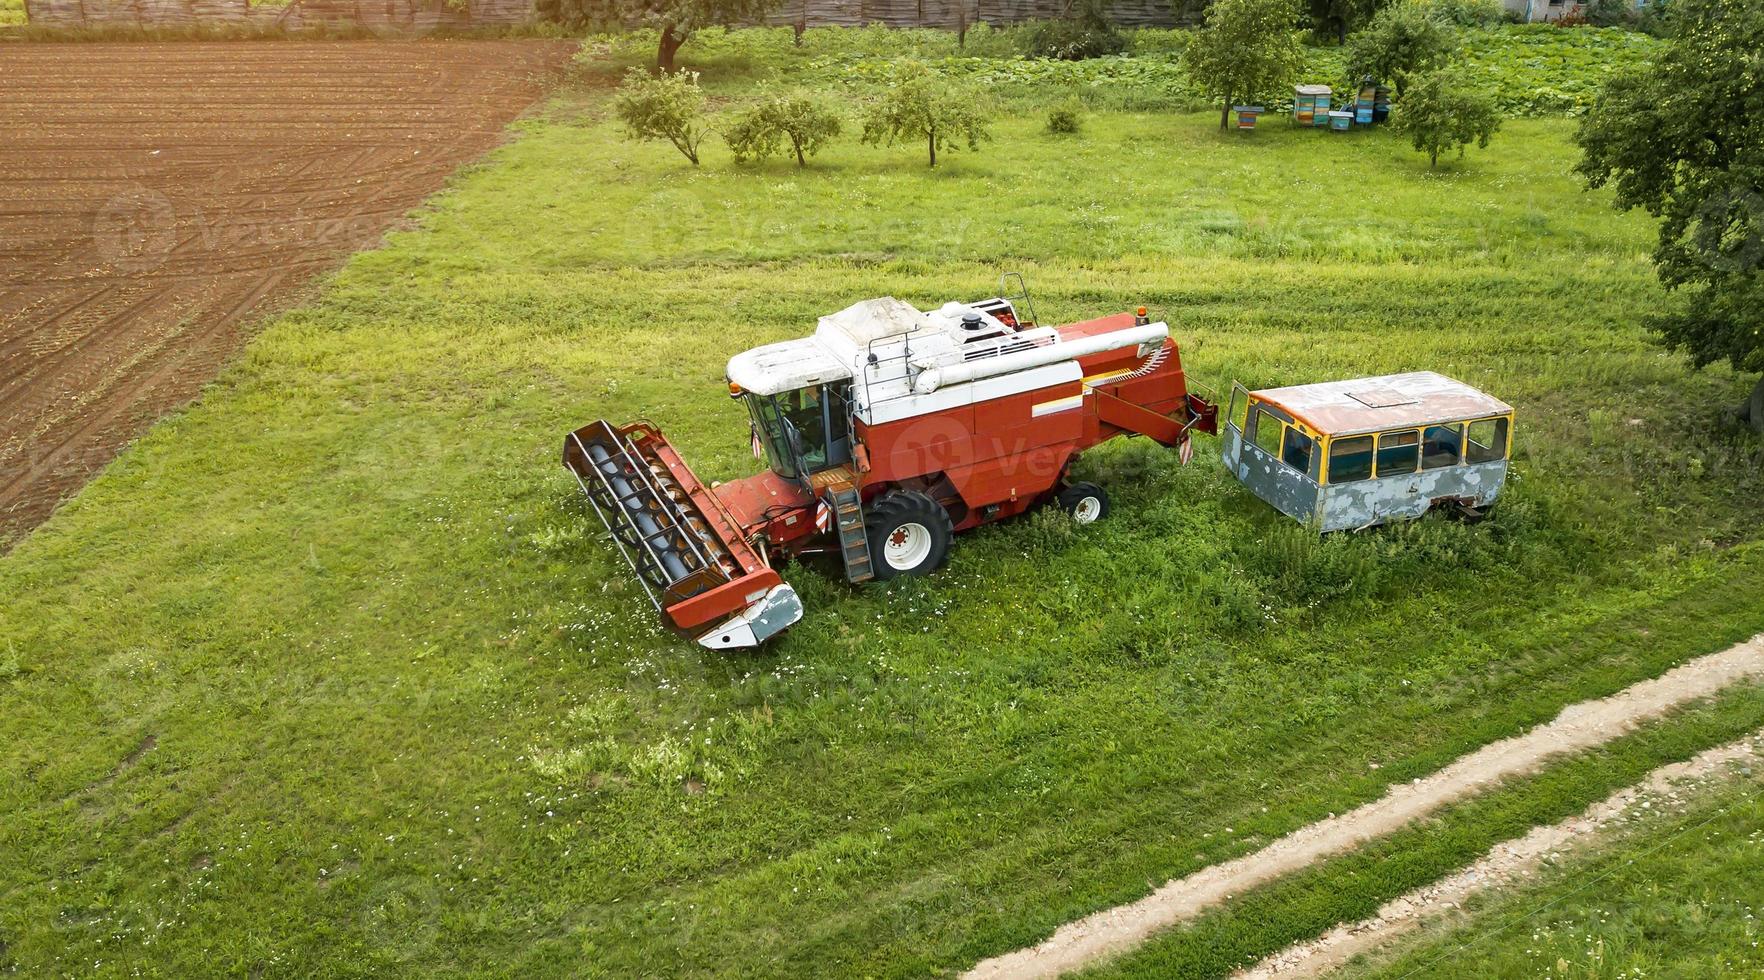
{"type": "Point", "coordinates": [909, 534]}
{"type": "Point", "coordinates": [1086, 502]}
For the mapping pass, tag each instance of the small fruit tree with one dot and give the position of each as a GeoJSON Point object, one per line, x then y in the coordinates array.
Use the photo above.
{"type": "Point", "coordinates": [1247, 51]}
{"type": "Point", "coordinates": [762, 129]}
{"type": "Point", "coordinates": [668, 107]}
{"type": "Point", "coordinates": [925, 107]}
{"type": "Point", "coordinates": [1441, 112]}
{"type": "Point", "coordinates": [1404, 41]}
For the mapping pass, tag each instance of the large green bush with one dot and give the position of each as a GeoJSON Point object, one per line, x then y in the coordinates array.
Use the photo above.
{"type": "Point", "coordinates": [1086, 32]}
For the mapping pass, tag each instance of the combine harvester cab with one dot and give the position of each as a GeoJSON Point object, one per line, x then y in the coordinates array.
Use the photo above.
{"type": "Point", "coordinates": [885, 432]}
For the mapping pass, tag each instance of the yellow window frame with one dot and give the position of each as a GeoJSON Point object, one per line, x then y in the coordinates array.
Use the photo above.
{"type": "Point", "coordinates": [1506, 450]}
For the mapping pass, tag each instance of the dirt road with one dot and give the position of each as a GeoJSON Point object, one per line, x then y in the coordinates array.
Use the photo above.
{"type": "Point", "coordinates": [156, 198]}
{"type": "Point", "coordinates": [1507, 863]}
{"type": "Point", "coordinates": [1109, 932]}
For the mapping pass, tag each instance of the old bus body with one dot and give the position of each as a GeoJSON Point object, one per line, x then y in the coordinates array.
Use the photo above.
{"type": "Point", "coordinates": [1351, 454]}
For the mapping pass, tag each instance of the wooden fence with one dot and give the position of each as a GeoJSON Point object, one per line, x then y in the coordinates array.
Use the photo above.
{"type": "Point", "coordinates": [421, 16]}
{"type": "Point", "coordinates": [387, 16]}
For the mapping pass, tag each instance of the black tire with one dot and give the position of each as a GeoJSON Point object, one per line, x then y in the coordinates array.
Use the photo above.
{"type": "Point", "coordinates": [911, 513]}
{"type": "Point", "coordinates": [1087, 503]}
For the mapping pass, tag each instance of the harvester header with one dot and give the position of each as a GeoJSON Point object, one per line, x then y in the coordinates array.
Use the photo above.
{"type": "Point", "coordinates": [885, 432]}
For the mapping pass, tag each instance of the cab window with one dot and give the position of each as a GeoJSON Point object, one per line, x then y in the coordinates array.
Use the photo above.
{"type": "Point", "coordinates": [1350, 459]}
{"type": "Point", "coordinates": [803, 408]}
{"type": "Point", "coordinates": [1486, 441]}
{"type": "Point", "coordinates": [1441, 445]}
{"type": "Point", "coordinates": [1297, 450]}
{"type": "Point", "coordinates": [1267, 433]}
{"type": "Point", "coordinates": [1399, 453]}
{"type": "Point", "coordinates": [1239, 407]}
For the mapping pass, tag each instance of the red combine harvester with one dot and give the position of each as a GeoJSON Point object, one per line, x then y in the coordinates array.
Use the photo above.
{"type": "Point", "coordinates": [886, 432]}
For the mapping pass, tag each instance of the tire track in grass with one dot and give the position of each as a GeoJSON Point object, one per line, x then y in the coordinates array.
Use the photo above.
{"type": "Point", "coordinates": [1504, 864]}
{"type": "Point", "coordinates": [1581, 726]}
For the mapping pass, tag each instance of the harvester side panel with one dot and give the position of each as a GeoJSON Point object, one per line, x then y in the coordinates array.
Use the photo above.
{"type": "Point", "coordinates": [995, 451]}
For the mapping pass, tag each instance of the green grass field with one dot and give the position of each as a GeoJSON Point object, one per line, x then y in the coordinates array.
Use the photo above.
{"type": "Point", "coordinates": [328, 673]}
{"type": "Point", "coordinates": [12, 12]}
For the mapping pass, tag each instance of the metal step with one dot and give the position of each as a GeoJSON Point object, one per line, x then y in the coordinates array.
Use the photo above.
{"type": "Point", "coordinates": [854, 543]}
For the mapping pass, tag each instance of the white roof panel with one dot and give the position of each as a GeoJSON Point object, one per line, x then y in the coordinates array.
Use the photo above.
{"type": "Point", "coordinates": [1388, 402]}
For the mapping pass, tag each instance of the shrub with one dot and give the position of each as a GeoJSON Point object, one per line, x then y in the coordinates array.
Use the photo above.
{"type": "Point", "coordinates": [1065, 117]}
{"type": "Point", "coordinates": [762, 129]}
{"type": "Point", "coordinates": [1404, 40]}
{"type": "Point", "coordinates": [1084, 33]}
{"type": "Point", "coordinates": [1441, 111]}
{"type": "Point", "coordinates": [668, 108]}
{"type": "Point", "coordinates": [925, 107]}
{"type": "Point", "coordinates": [1470, 13]}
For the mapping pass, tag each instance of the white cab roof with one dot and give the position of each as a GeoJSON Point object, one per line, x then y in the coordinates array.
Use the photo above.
{"type": "Point", "coordinates": [831, 353]}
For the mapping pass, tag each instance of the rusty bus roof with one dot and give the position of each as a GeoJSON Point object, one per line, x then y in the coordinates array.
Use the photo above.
{"type": "Point", "coordinates": [1392, 401]}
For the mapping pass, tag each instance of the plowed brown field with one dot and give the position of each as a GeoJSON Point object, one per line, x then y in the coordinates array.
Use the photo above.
{"type": "Point", "coordinates": [156, 198]}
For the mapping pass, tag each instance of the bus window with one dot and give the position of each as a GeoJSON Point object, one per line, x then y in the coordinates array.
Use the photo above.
{"type": "Point", "coordinates": [1398, 452]}
{"type": "Point", "coordinates": [1267, 433]}
{"type": "Point", "coordinates": [1487, 441]}
{"type": "Point", "coordinates": [1296, 452]}
{"type": "Point", "coordinates": [1239, 412]}
{"type": "Point", "coordinates": [1350, 459]}
{"type": "Point", "coordinates": [1440, 445]}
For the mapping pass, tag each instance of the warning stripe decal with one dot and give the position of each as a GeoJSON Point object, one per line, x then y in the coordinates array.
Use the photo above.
{"type": "Point", "coordinates": [1057, 405]}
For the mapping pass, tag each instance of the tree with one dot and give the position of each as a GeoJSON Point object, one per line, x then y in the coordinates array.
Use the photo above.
{"type": "Point", "coordinates": [760, 130]}
{"type": "Point", "coordinates": [926, 107]}
{"type": "Point", "coordinates": [1403, 41]}
{"type": "Point", "coordinates": [668, 107]}
{"type": "Point", "coordinates": [1684, 141]}
{"type": "Point", "coordinates": [1248, 50]}
{"type": "Point", "coordinates": [1084, 31]}
{"type": "Point", "coordinates": [1339, 17]}
{"type": "Point", "coordinates": [675, 20]}
{"type": "Point", "coordinates": [1441, 111]}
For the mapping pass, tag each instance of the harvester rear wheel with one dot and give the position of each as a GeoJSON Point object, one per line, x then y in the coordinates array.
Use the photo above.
{"type": "Point", "coordinates": [909, 534]}
{"type": "Point", "coordinates": [1086, 502]}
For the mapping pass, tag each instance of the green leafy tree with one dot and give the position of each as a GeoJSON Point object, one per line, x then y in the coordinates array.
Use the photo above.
{"type": "Point", "coordinates": [926, 107]}
{"type": "Point", "coordinates": [1339, 17]}
{"type": "Point", "coordinates": [1442, 112]}
{"type": "Point", "coordinates": [674, 20]}
{"type": "Point", "coordinates": [1476, 13]}
{"type": "Point", "coordinates": [761, 130]}
{"type": "Point", "coordinates": [1403, 41]}
{"type": "Point", "coordinates": [1684, 141]}
{"type": "Point", "coordinates": [666, 107]}
{"type": "Point", "coordinates": [1247, 51]}
{"type": "Point", "coordinates": [1084, 32]}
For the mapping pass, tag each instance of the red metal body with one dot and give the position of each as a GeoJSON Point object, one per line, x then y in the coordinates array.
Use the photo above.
{"type": "Point", "coordinates": [705, 553]}
{"type": "Point", "coordinates": [996, 458]}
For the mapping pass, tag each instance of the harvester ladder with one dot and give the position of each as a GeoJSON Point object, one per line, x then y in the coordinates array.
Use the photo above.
{"type": "Point", "coordinates": [854, 542]}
